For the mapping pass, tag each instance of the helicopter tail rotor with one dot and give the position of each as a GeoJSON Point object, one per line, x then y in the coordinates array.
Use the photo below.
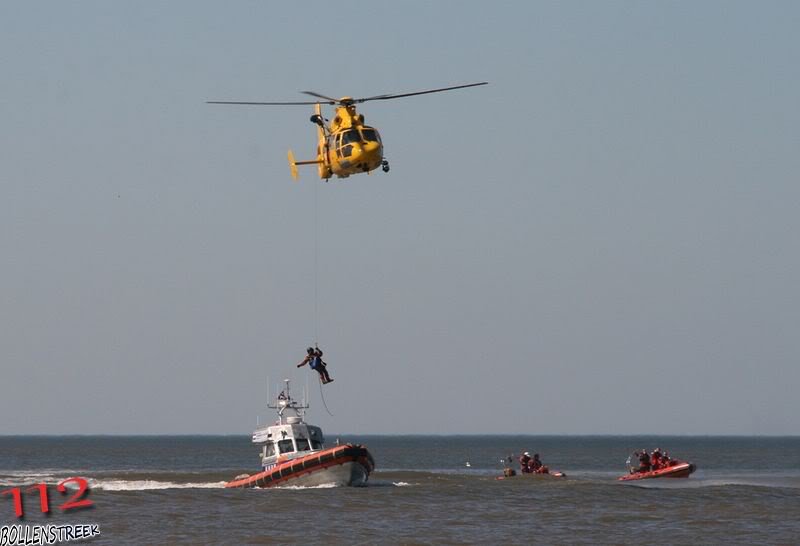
{"type": "Point", "coordinates": [293, 166]}
{"type": "Point", "coordinates": [293, 163]}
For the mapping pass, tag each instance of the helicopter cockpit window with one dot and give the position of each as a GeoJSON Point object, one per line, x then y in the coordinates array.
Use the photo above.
{"type": "Point", "coordinates": [336, 143]}
{"type": "Point", "coordinates": [369, 134]}
{"type": "Point", "coordinates": [351, 136]}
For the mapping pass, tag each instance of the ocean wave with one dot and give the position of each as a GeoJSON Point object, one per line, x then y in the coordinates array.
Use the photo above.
{"type": "Point", "coordinates": [120, 480]}
{"type": "Point", "coordinates": [18, 478]}
{"type": "Point", "coordinates": [149, 485]}
{"type": "Point", "coordinates": [9, 481]}
{"type": "Point", "coordinates": [460, 471]}
{"type": "Point", "coordinates": [699, 483]}
{"type": "Point", "coordinates": [389, 483]}
{"type": "Point", "coordinates": [301, 487]}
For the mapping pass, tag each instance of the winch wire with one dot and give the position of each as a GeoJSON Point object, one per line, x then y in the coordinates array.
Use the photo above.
{"type": "Point", "coordinates": [321, 395]}
{"type": "Point", "coordinates": [316, 266]}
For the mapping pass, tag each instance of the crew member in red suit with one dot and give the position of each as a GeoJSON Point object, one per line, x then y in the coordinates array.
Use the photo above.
{"type": "Point", "coordinates": [655, 460]}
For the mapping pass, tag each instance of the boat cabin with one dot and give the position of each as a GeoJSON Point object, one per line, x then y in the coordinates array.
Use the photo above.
{"type": "Point", "coordinates": [290, 436]}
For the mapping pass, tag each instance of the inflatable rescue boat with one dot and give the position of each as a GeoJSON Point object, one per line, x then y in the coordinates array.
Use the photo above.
{"type": "Point", "coordinates": [293, 453]}
{"type": "Point", "coordinates": [530, 476]}
{"type": "Point", "coordinates": [676, 469]}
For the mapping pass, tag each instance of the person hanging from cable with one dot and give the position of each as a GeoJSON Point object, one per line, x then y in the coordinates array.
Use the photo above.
{"type": "Point", "coordinates": [314, 360]}
{"type": "Point", "coordinates": [322, 365]}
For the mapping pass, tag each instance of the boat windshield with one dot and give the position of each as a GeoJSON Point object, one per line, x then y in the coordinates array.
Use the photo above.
{"type": "Point", "coordinates": [302, 444]}
{"type": "Point", "coordinates": [285, 446]}
{"type": "Point", "coordinates": [316, 444]}
{"type": "Point", "coordinates": [270, 450]}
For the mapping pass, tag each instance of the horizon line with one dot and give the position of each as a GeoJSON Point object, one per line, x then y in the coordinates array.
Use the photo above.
{"type": "Point", "coordinates": [420, 434]}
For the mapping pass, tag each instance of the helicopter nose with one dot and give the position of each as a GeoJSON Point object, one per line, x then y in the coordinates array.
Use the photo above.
{"type": "Point", "coordinates": [371, 149]}
{"type": "Point", "coordinates": [365, 150]}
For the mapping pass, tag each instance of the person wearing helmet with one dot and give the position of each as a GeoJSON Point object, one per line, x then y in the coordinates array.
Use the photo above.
{"type": "Point", "coordinates": [308, 359]}
{"type": "Point", "coordinates": [525, 463]}
{"type": "Point", "coordinates": [536, 465]}
{"type": "Point", "coordinates": [314, 360]}
{"type": "Point", "coordinates": [644, 462]}
{"type": "Point", "coordinates": [655, 460]}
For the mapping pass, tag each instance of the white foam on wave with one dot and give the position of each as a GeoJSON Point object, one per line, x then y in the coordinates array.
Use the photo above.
{"type": "Point", "coordinates": [21, 481]}
{"type": "Point", "coordinates": [25, 477]}
{"type": "Point", "coordinates": [149, 485]}
{"type": "Point", "coordinates": [373, 483]}
{"type": "Point", "coordinates": [300, 487]}
{"type": "Point", "coordinates": [698, 483]}
{"type": "Point", "coordinates": [14, 478]}
{"type": "Point", "coordinates": [41, 471]}
{"type": "Point", "coordinates": [388, 483]}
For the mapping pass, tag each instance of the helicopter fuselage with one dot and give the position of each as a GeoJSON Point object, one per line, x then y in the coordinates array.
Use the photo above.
{"type": "Point", "coordinates": [347, 146]}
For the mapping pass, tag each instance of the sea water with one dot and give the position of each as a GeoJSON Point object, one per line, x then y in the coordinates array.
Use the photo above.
{"type": "Point", "coordinates": [169, 490]}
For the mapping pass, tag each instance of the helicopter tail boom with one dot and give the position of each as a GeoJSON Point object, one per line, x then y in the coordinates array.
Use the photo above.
{"type": "Point", "coordinates": [293, 164]}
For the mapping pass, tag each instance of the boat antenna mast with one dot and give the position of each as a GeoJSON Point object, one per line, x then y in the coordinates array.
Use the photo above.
{"type": "Point", "coordinates": [285, 401]}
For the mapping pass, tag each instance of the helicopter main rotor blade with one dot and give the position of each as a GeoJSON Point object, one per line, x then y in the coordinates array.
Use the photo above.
{"type": "Point", "coordinates": [348, 100]}
{"type": "Point", "coordinates": [263, 103]}
{"type": "Point", "coordinates": [398, 95]}
{"type": "Point", "coordinates": [330, 100]}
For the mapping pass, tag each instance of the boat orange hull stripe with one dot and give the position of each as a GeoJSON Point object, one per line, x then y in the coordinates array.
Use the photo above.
{"type": "Point", "coordinates": [308, 465]}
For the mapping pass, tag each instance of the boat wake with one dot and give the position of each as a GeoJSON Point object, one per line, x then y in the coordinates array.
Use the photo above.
{"type": "Point", "coordinates": [142, 481]}
{"type": "Point", "coordinates": [701, 483]}
{"type": "Point", "coordinates": [149, 485]}
{"type": "Point", "coordinates": [118, 480]}
{"type": "Point", "coordinates": [389, 483]}
{"type": "Point", "coordinates": [371, 483]}
{"type": "Point", "coordinates": [302, 487]}
{"type": "Point", "coordinates": [19, 478]}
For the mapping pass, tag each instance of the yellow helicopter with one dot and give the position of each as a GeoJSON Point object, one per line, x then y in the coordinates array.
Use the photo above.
{"type": "Point", "coordinates": [345, 146]}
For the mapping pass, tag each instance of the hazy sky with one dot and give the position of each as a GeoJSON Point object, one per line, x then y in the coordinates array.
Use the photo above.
{"type": "Point", "coordinates": [602, 240]}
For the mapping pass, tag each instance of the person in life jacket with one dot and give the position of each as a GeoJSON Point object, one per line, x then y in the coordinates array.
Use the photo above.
{"type": "Point", "coordinates": [536, 465]}
{"type": "Point", "coordinates": [644, 462]}
{"type": "Point", "coordinates": [507, 470]}
{"type": "Point", "coordinates": [525, 463]}
{"type": "Point", "coordinates": [655, 460]}
{"type": "Point", "coordinates": [314, 360]}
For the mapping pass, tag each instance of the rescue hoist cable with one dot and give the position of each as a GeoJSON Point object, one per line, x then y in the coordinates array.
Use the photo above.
{"type": "Point", "coordinates": [316, 287]}
{"type": "Point", "coordinates": [316, 266]}
{"type": "Point", "coordinates": [322, 395]}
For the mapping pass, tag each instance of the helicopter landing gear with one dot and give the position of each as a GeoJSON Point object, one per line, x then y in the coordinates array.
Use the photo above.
{"type": "Point", "coordinates": [385, 166]}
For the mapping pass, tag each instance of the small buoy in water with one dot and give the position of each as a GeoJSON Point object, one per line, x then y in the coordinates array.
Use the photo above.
{"type": "Point", "coordinates": [467, 464]}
